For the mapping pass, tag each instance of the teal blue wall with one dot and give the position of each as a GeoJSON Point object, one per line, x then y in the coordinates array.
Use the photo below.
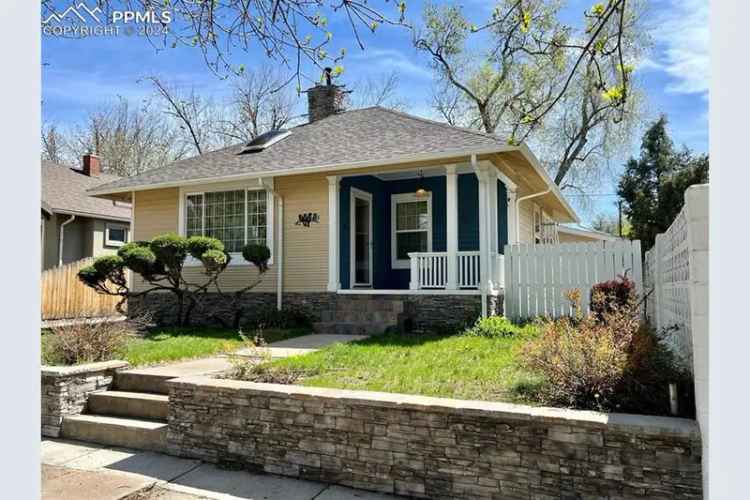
{"type": "Point", "coordinates": [502, 217]}
{"type": "Point", "coordinates": [468, 216]}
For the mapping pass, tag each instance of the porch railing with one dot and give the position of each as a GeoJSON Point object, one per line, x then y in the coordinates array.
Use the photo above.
{"type": "Point", "coordinates": [429, 270]}
{"type": "Point", "coordinates": [468, 269]}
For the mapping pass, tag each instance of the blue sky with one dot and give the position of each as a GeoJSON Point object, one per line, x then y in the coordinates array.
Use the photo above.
{"type": "Point", "coordinates": [81, 74]}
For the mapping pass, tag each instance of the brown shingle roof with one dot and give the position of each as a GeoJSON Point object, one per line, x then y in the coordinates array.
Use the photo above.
{"type": "Point", "coordinates": [64, 190]}
{"type": "Point", "coordinates": [369, 134]}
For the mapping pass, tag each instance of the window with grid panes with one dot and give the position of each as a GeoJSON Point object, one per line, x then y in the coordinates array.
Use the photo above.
{"type": "Point", "coordinates": [412, 227]}
{"type": "Point", "coordinates": [235, 217]}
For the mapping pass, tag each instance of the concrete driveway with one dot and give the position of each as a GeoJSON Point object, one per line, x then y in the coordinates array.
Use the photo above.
{"type": "Point", "coordinates": [81, 471]}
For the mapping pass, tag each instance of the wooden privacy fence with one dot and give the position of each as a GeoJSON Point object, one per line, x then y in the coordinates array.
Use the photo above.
{"type": "Point", "coordinates": [537, 276]}
{"type": "Point", "coordinates": [64, 296]}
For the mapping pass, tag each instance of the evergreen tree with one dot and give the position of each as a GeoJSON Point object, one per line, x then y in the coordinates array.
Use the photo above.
{"type": "Point", "coordinates": [652, 187]}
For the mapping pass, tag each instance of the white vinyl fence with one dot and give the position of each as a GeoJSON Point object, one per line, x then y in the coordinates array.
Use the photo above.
{"type": "Point", "coordinates": [538, 276]}
{"type": "Point", "coordinates": [676, 279]}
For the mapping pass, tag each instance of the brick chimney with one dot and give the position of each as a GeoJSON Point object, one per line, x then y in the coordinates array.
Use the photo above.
{"type": "Point", "coordinates": [91, 165]}
{"type": "Point", "coordinates": [325, 99]}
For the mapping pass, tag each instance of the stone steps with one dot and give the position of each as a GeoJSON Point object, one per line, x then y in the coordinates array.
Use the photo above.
{"type": "Point", "coordinates": [140, 434]}
{"type": "Point", "coordinates": [135, 381]}
{"type": "Point", "coordinates": [133, 413]}
{"type": "Point", "coordinates": [360, 315]}
{"type": "Point", "coordinates": [351, 327]}
{"type": "Point", "coordinates": [129, 405]}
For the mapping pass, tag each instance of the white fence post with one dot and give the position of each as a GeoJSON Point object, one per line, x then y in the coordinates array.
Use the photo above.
{"type": "Point", "coordinates": [679, 275]}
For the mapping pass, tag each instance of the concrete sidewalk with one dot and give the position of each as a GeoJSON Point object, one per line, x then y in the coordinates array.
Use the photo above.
{"type": "Point", "coordinates": [80, 471]}
{"type": "Point", "coordinates": [302, 345]}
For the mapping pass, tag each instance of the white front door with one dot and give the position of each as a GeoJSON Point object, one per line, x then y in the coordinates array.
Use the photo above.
{"type": "Point", "coordinates": [361, 238]}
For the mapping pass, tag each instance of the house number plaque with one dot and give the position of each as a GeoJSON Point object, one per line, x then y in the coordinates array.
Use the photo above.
{"type": "Point", "coordinates": [307, 219]}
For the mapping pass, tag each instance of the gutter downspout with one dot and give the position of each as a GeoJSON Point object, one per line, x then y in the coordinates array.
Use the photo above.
{"type": "Point", "coordinates": [280, 243]}
{"type": "Point", "coordinates": [518, 211]}
{"type": "Point", "coordinates": [62, 239]}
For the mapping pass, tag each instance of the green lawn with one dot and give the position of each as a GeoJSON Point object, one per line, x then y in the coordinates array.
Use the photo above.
{"type": "Point", "coordinates": [171, 344]}
{"type": "Point", "coordinates": [457, 366]}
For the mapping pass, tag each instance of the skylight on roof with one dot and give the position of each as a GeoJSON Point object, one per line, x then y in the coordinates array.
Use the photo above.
{"type": "Point", "coordinates": [265, 140]}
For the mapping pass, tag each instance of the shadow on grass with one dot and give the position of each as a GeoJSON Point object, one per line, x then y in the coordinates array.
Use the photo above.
{"type": "Point", "coordinates": [396, 339]}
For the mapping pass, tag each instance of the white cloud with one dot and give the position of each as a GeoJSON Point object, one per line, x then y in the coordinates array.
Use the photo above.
{"type": "Point", "coordinates": [682, 45]}
{"type": "Point", "coordinates": [378, 60]}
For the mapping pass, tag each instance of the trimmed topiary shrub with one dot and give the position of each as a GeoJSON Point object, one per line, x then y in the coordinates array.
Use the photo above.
{"type": "Point", "coordinates": [160, 263]}
{"type": "Point", "coordinates": [138, 257]}
{"type": "Point", "coordinates": [214, 259]}
{"type": "Point", "coordinates": [197, 246]}
{"type": "Point", "coordinates": [258, 255]}
{"type": "Point", "coordinates": [170, 249]}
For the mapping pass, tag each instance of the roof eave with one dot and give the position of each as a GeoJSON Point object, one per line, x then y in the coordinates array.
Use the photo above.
{"type": "Point", "coordinates": [90, 215]}
{"type": "Point", "coordinates": [554, 189]}
{"type": "Point", "coordinates": [103, 191]}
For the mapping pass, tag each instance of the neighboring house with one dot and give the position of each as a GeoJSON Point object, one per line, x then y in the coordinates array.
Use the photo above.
{"type": "Point", "coordinates": [578, 234]}
{"type": "Point", "coordinates": [363, 202]}
{"type": "Point", "coordinates": [74, 224]}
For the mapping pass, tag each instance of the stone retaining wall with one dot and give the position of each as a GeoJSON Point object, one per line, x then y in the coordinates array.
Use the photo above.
{"type": "Point", "coordinates": [65, 390]}
{"type": "Point", "coordinates": [423, 312]}
{"type": "Point", "coordinates": [433, 448]}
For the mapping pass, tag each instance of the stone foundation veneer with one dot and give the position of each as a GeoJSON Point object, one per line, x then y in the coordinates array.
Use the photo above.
{"type": "Point", "coordinates": [425, 311]}
{"type": "Point", "coordinates": [162, 305]}
{"type": "Point", "coordinates": [65, 390]}
{"type": "Point", "coordinates": [433, 448]}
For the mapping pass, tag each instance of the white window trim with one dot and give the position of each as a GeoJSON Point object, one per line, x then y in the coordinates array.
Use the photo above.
{"type": "Point", "coordinates": [406, 198]}
{"type": "Point", "coordinates": [115, 243]}
{"type": "Point", "coordinates": [237, 259]}
{"type": "Point", "coordinates": [364, 195]}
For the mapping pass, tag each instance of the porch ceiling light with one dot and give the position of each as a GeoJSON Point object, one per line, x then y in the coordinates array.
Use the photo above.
{"type": "Point", "coordinates": [421, 192]}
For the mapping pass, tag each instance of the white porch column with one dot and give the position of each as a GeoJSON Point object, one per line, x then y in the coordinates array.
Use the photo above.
{"type": "Point", "coordinates": [451, 204]}
{"type": "Point", "coordinates": [485, 269]}
{"type": "Point", "coordinates": [512, 215]}
{"type": "Point", "coordinates": [333, 233]}
{"type": "Point", "coordinates": [492, 223]}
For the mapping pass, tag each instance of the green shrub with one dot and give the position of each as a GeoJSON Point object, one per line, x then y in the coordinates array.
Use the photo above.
{"type": "Point", "coordinates": [199, 245]}
{"type": "Point", "coordinates": [258, 255]}
{"type": "Point", "coordinates": [214, 259]}
{"type": "Point", "coordinates": [139, 257]}
{"type": "Point", "coordinates": [108, 264]}
{"type": "Point", "coordinates": [493, 326]}
{"type": "Point", "coordinates": [170, 249]}
{"type": "Point", "coordinates": [89, 276]}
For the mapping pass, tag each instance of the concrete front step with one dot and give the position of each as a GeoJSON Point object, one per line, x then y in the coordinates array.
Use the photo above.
{"type": "Point", "coordinates": [351, 328]}
{"type": "Point", "coordinates": [116, 431]}
{"type": "Point", "coordinates": [129, 404]}
{"type": "Point", "coordinates": [389, 317]}
{"type": "Point", "coordinates": [136, 381]}
{"type": "Point", "coordinates": [368, 304]}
